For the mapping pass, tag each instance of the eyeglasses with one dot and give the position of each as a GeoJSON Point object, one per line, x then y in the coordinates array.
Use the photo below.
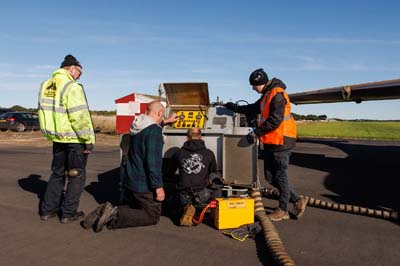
{"type": "Point", "coordinates": [79, 70]}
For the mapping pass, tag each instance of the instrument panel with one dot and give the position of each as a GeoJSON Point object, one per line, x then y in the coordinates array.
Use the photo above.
{"type": "Point", "coordinates": [189, 119]}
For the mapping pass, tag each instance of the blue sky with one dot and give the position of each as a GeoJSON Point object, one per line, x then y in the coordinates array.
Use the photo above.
{"type": "Point", "coordinates": [132, 46]}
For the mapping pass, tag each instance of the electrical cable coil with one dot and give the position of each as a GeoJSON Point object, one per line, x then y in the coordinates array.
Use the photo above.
{"type": "Point", "coordinates": [314, 202]}
{"type": "Point", "coordinates": [272, 238]}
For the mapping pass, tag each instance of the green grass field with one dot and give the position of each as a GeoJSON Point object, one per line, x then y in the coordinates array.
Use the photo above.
{"type": "Point", "coordinates": [350, 130]}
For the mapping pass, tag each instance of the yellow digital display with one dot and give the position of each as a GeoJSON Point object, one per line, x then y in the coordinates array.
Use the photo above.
{"type": "Point", "coordinates": [189, 119]}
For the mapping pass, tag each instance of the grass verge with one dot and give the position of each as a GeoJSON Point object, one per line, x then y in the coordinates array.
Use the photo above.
{"type": "Point", "coordinates": [350, 130]}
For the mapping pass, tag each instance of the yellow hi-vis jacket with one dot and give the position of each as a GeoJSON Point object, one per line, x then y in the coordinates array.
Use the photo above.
{"type": "Point", "coordinates": [63, 110]}
{"type": "Point", "coordinates": [288, 125]}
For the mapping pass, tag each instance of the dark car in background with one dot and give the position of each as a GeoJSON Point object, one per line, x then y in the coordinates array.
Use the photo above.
{"type": "Point", "coordinates": [5, 110]}
{"type": "Point", "coordinates": [19, 121]}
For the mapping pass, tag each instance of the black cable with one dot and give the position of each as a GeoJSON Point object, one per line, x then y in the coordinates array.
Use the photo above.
{"type": "Point", "coordinates": [242, 101]}
{"type": "Point", "coordinates": [203, 112]}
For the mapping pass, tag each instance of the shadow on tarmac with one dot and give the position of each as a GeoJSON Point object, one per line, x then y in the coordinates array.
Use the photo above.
{"type": "Point", "coordinates": [366, 177]}
{"type": "Point", "coordinates": [263, 254]}
{"type": "Point", "coordinates": [107, 187]}
{"type": "Point", "coordinates": [34, 184]}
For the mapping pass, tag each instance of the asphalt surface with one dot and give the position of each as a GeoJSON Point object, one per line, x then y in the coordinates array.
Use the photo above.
{"type": "Point", "coordinates": [363, 173]}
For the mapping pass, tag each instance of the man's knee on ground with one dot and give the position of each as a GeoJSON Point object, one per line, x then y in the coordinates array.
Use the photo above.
{"type": "Point", "coordinates": [154, 220]}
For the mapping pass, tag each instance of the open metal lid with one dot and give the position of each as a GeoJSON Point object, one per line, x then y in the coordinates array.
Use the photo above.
{"type": "Point", "coordinates": [187, 93]}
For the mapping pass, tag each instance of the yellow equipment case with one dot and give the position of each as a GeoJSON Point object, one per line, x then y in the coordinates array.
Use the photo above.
{"type": "Point", "coordinates": [233, 212]}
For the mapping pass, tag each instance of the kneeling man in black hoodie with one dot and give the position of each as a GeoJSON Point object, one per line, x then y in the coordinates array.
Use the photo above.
{"type": "Point", "coordinates": [197, 169]}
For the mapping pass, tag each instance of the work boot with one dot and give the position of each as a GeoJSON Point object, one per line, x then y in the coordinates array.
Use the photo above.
{"type": "Point", "coordinates": [300, 206]}
{"type": "Point", "coordinates": [187, 217]}
{"type": "Point", "coordinates": [108, 214]}
{"type": "Point", "coordinates": [46, 217]}
{"type": "Point", "coordinates": [91, 218]}
{"type": "Point", "coordinates": [78, 215]}
{"type": "Point", "coordinates": [279, 215]}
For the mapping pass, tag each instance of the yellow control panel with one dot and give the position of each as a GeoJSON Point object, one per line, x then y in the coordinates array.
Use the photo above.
{"type": "Point", "coordinates": [189, 119]}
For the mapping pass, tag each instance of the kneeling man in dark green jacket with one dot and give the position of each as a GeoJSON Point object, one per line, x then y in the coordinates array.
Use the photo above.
{"type": "Point", "coordinates": [144, 187]}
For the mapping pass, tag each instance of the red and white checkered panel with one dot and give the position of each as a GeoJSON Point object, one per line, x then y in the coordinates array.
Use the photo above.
{"type": "Point", "coordinates": [130, 106]}
{"type": "Point", "coordinates": [126, 113]}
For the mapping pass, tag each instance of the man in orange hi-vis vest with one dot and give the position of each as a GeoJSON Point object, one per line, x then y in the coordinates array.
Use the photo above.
{"type": "Point", "coordinates": [276, 129]}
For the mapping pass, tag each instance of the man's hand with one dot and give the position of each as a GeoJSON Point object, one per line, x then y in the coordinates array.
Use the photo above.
{"type": "Point", "coordinates": [252, 136]}
{"type": "Point", "coordinates": [171, 119]}
{"type": "Point", "coordinates": [88, 149]}
{"type": "Point", "coordinates": [160, 194]}
{"type": "Point", "coordinates": [231, 106]}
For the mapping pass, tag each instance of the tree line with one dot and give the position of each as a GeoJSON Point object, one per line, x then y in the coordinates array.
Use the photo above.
{"type": "Point", "coordinates": [309, 117]}
{"type": "Point", "coordinates": [18, 108]}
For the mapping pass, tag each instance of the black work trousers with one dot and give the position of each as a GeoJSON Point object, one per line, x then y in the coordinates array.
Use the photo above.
{"type": "Point", "coordinates": [66, 156]}
{"type": "Point", "coordinates": [198, 198]}
{"type": "Point", "coordinates": [143, 209]}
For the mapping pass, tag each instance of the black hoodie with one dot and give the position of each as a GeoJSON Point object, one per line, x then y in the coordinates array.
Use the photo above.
{"type": "Point", "coordinates": [195, 163]}
{"type": "Point", "coordinates": [276, 115]}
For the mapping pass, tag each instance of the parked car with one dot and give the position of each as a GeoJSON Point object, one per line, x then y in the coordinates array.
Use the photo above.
{"type": "Point", "coordinates": [19, 121]}
{"type": "Point", "coordinates": [5, 110]}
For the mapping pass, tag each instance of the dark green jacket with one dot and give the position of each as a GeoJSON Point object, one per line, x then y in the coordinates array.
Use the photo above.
{"type": "Point", "coordinates": [145, 156]}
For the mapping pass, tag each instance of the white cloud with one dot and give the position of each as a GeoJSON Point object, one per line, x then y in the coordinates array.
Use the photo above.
{"type": "Point", "coordinates": [202, 70]}
{"type": "Point", "coordinates": [45, 67]}
{"type": "Point", "coordinates": [321, 39]}
{"type": "Point", "coordinates": [21, 75]}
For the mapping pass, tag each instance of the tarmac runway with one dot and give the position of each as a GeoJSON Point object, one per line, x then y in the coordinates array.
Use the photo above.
{"type": "Point", "coordinates": [364, 173]}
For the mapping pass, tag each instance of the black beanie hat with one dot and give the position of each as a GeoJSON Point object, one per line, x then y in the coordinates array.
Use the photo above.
{"type": "Point", "coordinates": [258, 77]}
{"type": "Point", "coordinates": [70, 60]}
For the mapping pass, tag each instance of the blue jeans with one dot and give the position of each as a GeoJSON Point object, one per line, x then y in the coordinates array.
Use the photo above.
{"type": "Point", "coordinates": [276, 165]}
{"type": "Point", "coordinates": [66, 156]}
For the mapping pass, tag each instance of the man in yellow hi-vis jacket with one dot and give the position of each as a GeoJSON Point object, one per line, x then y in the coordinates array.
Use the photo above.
{"type": "Point", "coordinates": [65, 120]}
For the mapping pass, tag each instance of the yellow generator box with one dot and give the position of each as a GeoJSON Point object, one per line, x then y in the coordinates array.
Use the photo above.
{"type": "Point", "coordinates": [233, 212]}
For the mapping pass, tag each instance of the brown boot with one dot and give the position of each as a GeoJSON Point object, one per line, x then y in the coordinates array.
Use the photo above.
{"type": "Point", "coordinates": [187, 217]}
{"type": "Point", "coordinates": [300, 206]}
{"type": "Point", "coordinates": [279, 215]}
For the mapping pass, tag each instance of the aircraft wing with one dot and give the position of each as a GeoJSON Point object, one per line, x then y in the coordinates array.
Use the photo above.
{"type": "Point", "coordinates": [380, 90]}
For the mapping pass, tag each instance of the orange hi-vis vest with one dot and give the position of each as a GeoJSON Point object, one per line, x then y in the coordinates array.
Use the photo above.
{"type": "Point", "coordinates": [286, 128]}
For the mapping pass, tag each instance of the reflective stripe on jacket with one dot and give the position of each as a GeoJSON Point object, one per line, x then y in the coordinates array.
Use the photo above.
{"type": "Point", "coordinates": [63, 111]}
{"type": "Point", "coordinates": [288, 125]}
